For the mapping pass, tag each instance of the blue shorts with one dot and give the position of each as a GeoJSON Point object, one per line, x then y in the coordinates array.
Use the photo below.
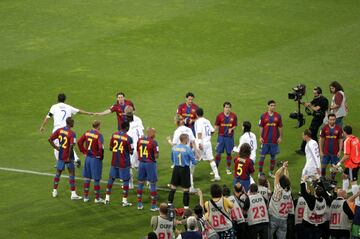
{"type": "Point", "coordinates": [147, 172]}
{"type": "Point", "coordinates": [121, 173]}
{"type": "Point", "coordinates": [271, 149]}
{"type": "Point", "coordinates": [330, 159]}
{"type": "Point", "coordinates": [224, 143]}
{"type": "Point", "coordinates": [60, 165]}
{"type": "Point", "coordinates": [92, 168]}
{"type": "Point", "coordinates": [244, 183]}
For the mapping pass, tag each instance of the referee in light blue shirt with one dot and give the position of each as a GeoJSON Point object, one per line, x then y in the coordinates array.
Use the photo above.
{"type": "Point", "coordinates": [181, 156]}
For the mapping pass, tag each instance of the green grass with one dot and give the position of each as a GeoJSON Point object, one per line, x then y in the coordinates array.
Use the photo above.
{"type": "Point", "coordinates": [154, 51]}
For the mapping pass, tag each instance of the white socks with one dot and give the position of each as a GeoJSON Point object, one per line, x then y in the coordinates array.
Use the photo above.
{"type": "Point", "coordinates": [252, 180]}
{"type": "Point", "coordinates": [346, 184]}
{"type": "Point", "coordinates": [192, 170]}
{"type": "Point", "coordinates": [131, 181]}
{"type": "Point", "coordinates": [214, 169]}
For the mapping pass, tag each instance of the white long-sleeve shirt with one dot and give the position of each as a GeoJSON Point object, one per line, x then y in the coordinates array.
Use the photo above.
{"type": "Point", "coordinates": [312, 154]}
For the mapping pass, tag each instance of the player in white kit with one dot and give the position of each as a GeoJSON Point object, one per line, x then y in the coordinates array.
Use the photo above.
{"type": "Point", "coordinates": [312, 166]}
{"type": "Point", "coordinates": [136, 131]}
{"type": "Point", "coordinates": [60, 112]}
{"type": "Point", "coordinates": [203, 132]}
{"type": "Point", "coordinates": [250, 138]}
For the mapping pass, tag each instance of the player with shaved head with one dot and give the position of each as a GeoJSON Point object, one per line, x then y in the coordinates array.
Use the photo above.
{"type": "Point", "coordinates": [148, 151]}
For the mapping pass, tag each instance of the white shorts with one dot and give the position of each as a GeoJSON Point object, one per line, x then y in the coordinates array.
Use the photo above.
{"type": "Point", "coordinates": [134, 159]}
{"type": "Point", "coordinates": [56, 153]}
{"type": "Point", "coordinates": [310, 172]}
{"type": "Point", "coordinates": [207, 153]}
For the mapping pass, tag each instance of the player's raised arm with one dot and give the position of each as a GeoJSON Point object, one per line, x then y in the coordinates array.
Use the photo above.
{"type": "Point", "coordinates": [279, 173]}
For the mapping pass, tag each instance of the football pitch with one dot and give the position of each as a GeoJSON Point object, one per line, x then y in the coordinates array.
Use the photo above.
{"type": "Point", "coordinates": [245, 52]}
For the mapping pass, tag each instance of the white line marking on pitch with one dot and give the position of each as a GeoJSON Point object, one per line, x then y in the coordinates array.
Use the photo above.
{"type": "Point", "coordinates": [66, 176]}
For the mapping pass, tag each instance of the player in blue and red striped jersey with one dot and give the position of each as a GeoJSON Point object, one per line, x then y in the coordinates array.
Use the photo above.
{"type": "Point", "coordinates": [148, 151]}
{"type": "Point", "coordinates": [66, 138]}
{"type": "Point", "coordinates": [187, 111]}
{"type": "Point", "coordinates": [121, 147]}
{"type": "Point", "coordinates": [225, 124]}
{"type": "Point", "coordinates": [91, 144]}
{"type": "Point", "coordinates": [119, 108]}
{"type": "Point", "coordinates": [244, 167]}
{"type": "Point", "coordinates": [270, 136]}
{"type": "Point", "coordinates": [330, 144]}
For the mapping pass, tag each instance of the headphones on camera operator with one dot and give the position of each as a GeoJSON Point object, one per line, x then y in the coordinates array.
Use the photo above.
{"type": "Point", "coordinates": [308, 109]}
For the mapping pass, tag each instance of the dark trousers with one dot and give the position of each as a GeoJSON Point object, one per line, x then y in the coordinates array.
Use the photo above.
{"type": "Point", "coordinates": [316, 232]}
{"type": "Point", "coordinates": [314, 128]}
{"type": "Point", "coordinates": [312, 232]}
{"type": "Point", "coordinates": [290, 233]}
{"type": "Point", "coordinates": [299, 229]}
{"type": "Point", "coordinates": [261, 229]}
{"type": "Point", "coordinates": [241, 231]}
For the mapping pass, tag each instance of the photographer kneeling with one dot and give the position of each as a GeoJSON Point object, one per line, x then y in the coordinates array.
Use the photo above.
{"type": "Point", "coordinates": [319, 105]}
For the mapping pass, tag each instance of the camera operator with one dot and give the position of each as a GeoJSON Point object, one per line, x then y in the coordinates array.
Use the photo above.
{"type": "Point", "coordinates": [319, 105]}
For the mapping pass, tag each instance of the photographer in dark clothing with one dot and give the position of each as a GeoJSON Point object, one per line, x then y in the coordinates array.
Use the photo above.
{"type": "Point", "coordinates": [319, 105]}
